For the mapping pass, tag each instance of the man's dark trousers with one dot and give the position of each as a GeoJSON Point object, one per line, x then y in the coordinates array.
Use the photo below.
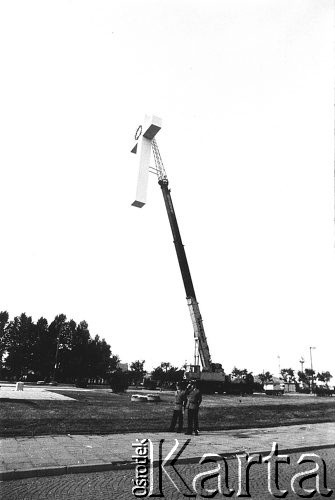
{"type": "Point", "coordinates": [177, 416]}
{"type": "Point", "coordinates": [192, 420]}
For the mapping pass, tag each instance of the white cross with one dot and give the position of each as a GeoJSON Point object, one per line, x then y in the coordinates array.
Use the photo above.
{"type": "Point", "coordinates": [144, 136]}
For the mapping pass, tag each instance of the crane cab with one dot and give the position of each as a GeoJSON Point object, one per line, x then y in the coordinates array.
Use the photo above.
{"type": "Point", "coordinates": [192, 372]}
{"type": "Point", "coordinates": [211, 381]}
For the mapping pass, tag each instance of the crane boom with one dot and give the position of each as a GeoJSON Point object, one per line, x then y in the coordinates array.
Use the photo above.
{"type": "Point", "coordinates": [201, 345]}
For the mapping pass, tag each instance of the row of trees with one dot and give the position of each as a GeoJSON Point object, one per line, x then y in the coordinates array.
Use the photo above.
{"type": "Point", "coordinates": [62, 350]}
{"type": "Point", "coordinates": [163, 375]}
{"type": "Point", "coordinates": [65, 351]}
{"type": "Point", "coordinates": [166, 374]}
{"type": "Point", "coordinates": [303, 378]}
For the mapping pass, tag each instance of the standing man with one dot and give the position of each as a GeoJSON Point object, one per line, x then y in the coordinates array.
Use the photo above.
{"type": "Point", "coordinates": [179, 407]}
{"type": "Point", "coordinates": [194, 399]}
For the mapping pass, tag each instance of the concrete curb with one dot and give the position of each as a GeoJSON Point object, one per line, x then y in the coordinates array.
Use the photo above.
{"type": "Point", "coordinates": [15, 474]}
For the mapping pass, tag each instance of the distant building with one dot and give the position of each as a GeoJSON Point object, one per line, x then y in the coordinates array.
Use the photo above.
{"type": "Point", "coordinates": [123, 366]}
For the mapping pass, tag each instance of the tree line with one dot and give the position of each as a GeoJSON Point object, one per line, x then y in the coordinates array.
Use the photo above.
{"type": "Point", "coordinates": [66, 352]}
{"type": "Point", "coordinates": [304, 379]}
{"type": "Point", "coordinates": [166, 375]}
{"type": "Point", "coordinates": [163, 375]}
{"type": "Point", "coordinates": [62, 350]}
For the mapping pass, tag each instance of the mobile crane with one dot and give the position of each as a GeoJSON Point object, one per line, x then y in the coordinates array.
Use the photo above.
{"type": "Point", "coordinates": [211, 377]}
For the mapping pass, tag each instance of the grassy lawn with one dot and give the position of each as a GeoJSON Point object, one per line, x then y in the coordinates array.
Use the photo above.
{"type": "Point", "coordinates": [101, 411]}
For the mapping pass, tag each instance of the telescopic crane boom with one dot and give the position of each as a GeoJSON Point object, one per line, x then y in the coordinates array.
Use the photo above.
{"type": "Point", "coordinates": [212, 374]}
{"type": "Point", "coordinates": [201, 345]}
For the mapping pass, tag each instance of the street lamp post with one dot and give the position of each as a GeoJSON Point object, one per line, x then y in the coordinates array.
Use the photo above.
{"type": "Point", "coordinates": [312, 381]}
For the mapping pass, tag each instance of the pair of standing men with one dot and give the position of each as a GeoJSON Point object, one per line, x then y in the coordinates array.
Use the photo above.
{"type": "Point", "coordinates": [190, 399]}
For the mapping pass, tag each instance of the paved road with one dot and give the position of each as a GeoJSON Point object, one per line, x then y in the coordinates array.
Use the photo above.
{"type": "Point", "coordinates": [118, 485]}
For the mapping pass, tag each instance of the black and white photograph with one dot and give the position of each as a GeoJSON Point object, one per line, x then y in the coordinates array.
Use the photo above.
{"type": "Point", "coordinates": [167, 284]}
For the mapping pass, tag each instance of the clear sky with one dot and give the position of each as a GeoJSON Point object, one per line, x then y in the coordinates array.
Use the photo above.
{"type": "Point", "coordinates": [245, 92]}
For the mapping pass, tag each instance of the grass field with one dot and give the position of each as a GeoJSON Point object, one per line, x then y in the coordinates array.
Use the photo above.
{"type": "Point", "coordinates": [101, 411]}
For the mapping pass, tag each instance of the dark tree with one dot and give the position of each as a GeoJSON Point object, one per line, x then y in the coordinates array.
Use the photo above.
{"type": "Point", "coordinates": [20, 340]}
{"type": "Point", "coordinates": [158, 375]}
{"type": "Point", "coordinates": [4, 317]}
{"type": "Point", "coordinates": [265, 377]}
{"type": "Point", "coordinates": [324, 376]}
{"type": "Point", "coordinates": [237, 373]}
{"type": "Point", "coordinates": [287, 374]}
{"type": "Point", "coordinates": [302, 377]}
{"type": "Point", "coordinates": [44, 355]}
{"type": "Point", "coordinates": [166, 375]}
{"type": "Point", "coordinates": [58, 338]}
{"type": "Point", "coordinates": [137, 371]}
{"type": "Point", "coordinates": [62, 350]}
{"type": "Point", "coordinates": [119, 380]}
